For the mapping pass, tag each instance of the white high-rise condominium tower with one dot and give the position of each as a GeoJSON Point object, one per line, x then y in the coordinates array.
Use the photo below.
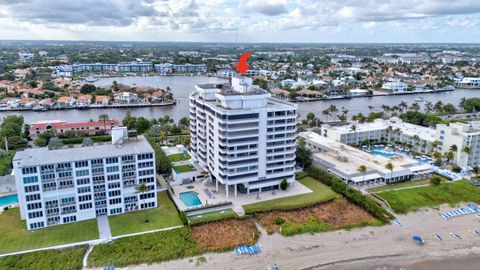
{"type": "Point", "coordinates": [244, 138]}
{"type": "Point", "coordinates": [72, 184]}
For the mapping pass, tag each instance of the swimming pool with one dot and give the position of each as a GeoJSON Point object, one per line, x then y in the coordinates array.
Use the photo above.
{"type": "Point", "coordinates": [382, 152]}
{"type": "Point", "coordinates": [9, 199]}
{"type": "Point", "coordinates": [190, 198]}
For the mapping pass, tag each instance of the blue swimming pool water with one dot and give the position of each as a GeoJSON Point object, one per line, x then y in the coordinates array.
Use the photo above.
{"type": "Point", "coordinates": [190, 198]}
{"type": "Point", "coordinates": [6, 200]}
{"type": "Point", "coordinates": [381, 152]}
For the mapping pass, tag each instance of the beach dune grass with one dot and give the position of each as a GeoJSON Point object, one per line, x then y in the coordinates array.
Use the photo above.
{"type": "Point", "coordinates": [64, 259]}
{"type": "Point", "coordinates": [183, 168]}
{"type": "Point", "coordinates": [321, 193]}
{"type": "Point", "coordinates": [14, 235]}
{"type": "Point", "coordinates": [332, 215]}
{"type": "Point", "coordinates": [145, 248]}
{"type": "Point", "coordinates": [179, 157]}
{"type": "Point", "coordinates": [165, 215]}
{"type": "Point", "coordinates": [406, 200]}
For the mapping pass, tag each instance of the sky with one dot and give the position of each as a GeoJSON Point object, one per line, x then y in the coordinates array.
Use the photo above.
{"type": "Point", "coordinates": [322, 21]}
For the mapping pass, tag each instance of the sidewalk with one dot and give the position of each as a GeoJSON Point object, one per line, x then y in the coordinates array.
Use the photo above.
{"type": "Point", "coordinates": [103, 227]}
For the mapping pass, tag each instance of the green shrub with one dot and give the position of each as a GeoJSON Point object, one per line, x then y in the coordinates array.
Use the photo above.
{"type": "Point", "coordinates": [350, 193]}
{"type": "Point", "coordinates": [279, 220]}
{"type": "Point", "coordinates": [40, 142]}
{"type": "Point", "coordinates": [436, 180]}
{"type": "Point", "coordinates": [64, 259]}
{"type": "Point", "coordinates": [183, 217]}
{"type": "Point", "coordinates": [284, 184]}
{"type": "Point", "coordinates": [456, 169]}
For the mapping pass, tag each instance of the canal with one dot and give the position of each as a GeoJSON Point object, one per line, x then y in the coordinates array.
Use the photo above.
{"type": "Point", "coordinates": [181, 86]}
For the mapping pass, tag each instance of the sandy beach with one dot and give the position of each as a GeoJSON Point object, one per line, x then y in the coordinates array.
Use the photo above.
{"type": "Point", "coordinates": [386, 247]}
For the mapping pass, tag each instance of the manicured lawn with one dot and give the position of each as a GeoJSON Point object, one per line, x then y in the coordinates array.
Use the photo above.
{"type": "Point", "coordinates": [212, 216]}
{"type": "Point", "coordinates": [165, 215]}
{"type": "Point", "coordinates": [64, 259]}
{"type": "Point", "coordinates": [183, 168]}
{"type": "Point", "coordinates": [406, 200]}
{"type": "Point", "coordinates": [404, 185]}
{"type": "Point", "coordinates": [15, 237]}
{"type": "Point", "coordinates": [320, 193]}
{"type": "Point", "coordinates": [179, 157]}
{"type": "Point", "coordinates": [145, 248]}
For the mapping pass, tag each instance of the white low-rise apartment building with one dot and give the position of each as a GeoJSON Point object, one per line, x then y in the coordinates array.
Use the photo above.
{"type": "Point", "coordinates": [344, 160]}
{"type": "Point", "coordinates": [73, 184]}
{"type": "Point", "coordinates": [394, 130]}
{"type": "Point", "coordinates": [465, 137]}
{"type": "Point", "coordinates": [395, 87]}
{"type": "Point", "coordinates": [468, 82]}
{"type": "Point", "coordinates": [244, 138]}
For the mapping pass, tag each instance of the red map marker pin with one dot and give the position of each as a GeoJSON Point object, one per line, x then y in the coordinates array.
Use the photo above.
{"type": "Point", "coordinates": [242, 65]}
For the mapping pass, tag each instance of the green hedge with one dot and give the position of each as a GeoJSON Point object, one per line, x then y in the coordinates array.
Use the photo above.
{"type": "Point", "coordinates": [79, 140]}
{"type": "Point", "coordinates": [6, 162]}
{"type": "Point", "coordinates": [64, 259]}
{"type": "Point", "coordinates": [350, 193]}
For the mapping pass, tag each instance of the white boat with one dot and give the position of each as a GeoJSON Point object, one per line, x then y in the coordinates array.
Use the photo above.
{"type": "Point", "coordinates": [419, 99]}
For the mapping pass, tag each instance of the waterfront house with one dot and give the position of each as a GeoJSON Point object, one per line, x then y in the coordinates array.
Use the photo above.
{"type": "Point", "coordinates": [102, 100]}
{"type": "Point", "coordinates": [309, 93]}
{"type": "Point", "coordinates": [26, 103]}
{"type": "Point", "coordinates": [33, 93]}
{"type": "Point", "coordinates": [46, 103]}
{"type": "Point", "coordinates": [158, 96]}
{"type": "Point", "coordinates": [65, 102]}
{"type": "Point", "coordinates": [9, 102]}
{"type": "Point", "coordinates": [84, 100]}
{"type": "Point", "coordinates": [395, 87]}
{"type": "Point", "coordinates": [125, 97]}
{"type": "Point", "coordinates": [277, 92]}
{"type": "Point", "coordinates": [60, 127]}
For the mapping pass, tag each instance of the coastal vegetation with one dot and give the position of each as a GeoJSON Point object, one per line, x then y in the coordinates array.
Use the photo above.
{"type": "Point", "coordinates": [145, 248]}
{"type": "Point", "coordinates": [63, 259]}
{"type": "Point", "coordinates": [225, 235]}
{"type": "Point", "coordinates": [351, 194]}
{"type": "Point", "coordinates": [178, 243]}
{"type": "Point", "coordinates": [332, 215]}
{"type": "Point", "coordinates": [412, 199]}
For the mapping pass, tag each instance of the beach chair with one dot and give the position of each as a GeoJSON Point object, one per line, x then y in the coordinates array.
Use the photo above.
{"type": "Point", "coordinates": [438, 237]}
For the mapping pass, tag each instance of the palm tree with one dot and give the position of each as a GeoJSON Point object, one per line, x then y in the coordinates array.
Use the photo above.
{"type": "Point", "coordinates": [428, 107]}
{"type": "Point", "coordinates": [403, 106]}
{"type": "Point", "coordinates": [362, 169]}
{"type": "Point", "coordinates": [438, 107]}
{"type": "Point", "coordinates": [435, 145]}
{"type": "Point", "coordinates": [354, 129]}
{"type": "Point", "coordinates": [390, 166]}
{"type": "Point", "coordinates": [454, 149]}
{"type": "Point", "coordinates": [449, 156]}
{"type": "Point", "coordinates": [326, 112]}
{"type": "Point", "coordinates": [466, 150]}
{"type": "Point", "coordinates": [103, 118]}
{"type": "Point", "coordinates": [142, 188]}
{"type": "Point", "coordinates": [333, 109]}
{"type": "Point", "coordinates": [370, 107]}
